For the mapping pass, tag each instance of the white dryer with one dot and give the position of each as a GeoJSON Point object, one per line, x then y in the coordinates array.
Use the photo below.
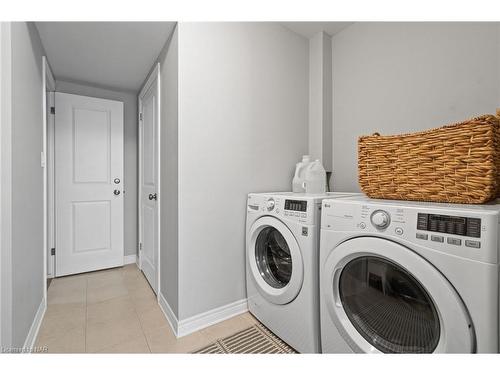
{"type": "Point", "coordinates": [409, 277]}
{"type": "Point", "coordinates": [282, 255]}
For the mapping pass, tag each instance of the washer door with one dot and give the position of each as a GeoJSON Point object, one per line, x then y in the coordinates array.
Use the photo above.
{"type": "Point", "coordinates": [275, 260]}
{"type": "Point", "coordinates": [383, 297]}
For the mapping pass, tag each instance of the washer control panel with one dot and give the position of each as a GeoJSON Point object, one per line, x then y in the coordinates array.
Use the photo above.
{"type": "Point", "coordinates": [472, 232]}
{"type": "Point", "coordinates": [300, 210]}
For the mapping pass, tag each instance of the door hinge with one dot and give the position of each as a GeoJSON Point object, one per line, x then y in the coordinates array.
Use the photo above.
{"type": "Point", "coordinates": [52, 110]}
{"type": "Point", "coordinates": [140, 116]}
{"type": "Point", "coordinates": [53, 251]}
{"type": "Point", "coordinates": [140, 246]}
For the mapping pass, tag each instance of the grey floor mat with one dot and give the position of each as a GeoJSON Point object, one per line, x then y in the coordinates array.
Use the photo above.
{"type": "Point", "coordinates": [254, 340]}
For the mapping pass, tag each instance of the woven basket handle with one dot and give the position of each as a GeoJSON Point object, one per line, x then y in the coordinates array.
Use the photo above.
{"type": "Point", "coordinates": [377, 134]}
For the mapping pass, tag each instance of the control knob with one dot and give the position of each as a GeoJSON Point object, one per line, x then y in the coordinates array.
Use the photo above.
{"type": "Point", "coordinates": [380, 219]}
{"type": "Point", "coordinates": [270, 204]}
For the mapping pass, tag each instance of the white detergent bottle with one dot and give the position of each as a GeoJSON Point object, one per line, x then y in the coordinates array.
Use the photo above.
{"type": "Point", "coordinates": [315, 178]}
{"type": "Point", "coordinates": [298, 178]}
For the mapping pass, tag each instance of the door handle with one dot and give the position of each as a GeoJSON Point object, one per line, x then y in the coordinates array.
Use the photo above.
{"type": "Point", "coordinates": [116, 192]}
{"type": "Point", "coordinates": [152, 197]}
{"type": "Point", "coordinates": [336, 294]}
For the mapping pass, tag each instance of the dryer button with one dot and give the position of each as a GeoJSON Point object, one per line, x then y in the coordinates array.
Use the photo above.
{"type": "Point", "coordinates": [422, 236]}
{"type": "Point", "coordinates": [454, 241]}
{"type": "Point", "coordinates": [398, 231]}
{"type": "Point", "coordinates": [474, 244]}
{"type": "Point", "coordinates": [437, 238]}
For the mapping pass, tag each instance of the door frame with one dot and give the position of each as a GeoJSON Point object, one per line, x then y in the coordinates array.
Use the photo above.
{"type": "Point", "coordinates": [48, 84]}
{"type": "Point", "coordinates": [154, 75]}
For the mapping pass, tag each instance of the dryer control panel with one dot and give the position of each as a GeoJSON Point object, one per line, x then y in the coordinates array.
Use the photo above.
{"type": "Point", "coordinates": [468, 231]}
{"type": "Point", "coordinates": [461, 225]}
{"type": "Point", "coordinates": [300, 210]}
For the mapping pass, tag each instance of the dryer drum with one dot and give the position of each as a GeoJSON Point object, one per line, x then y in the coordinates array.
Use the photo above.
{"type": "Point", "coordinates": [273, 258]}
{"type": "Point", "coordinates": [388, 306]}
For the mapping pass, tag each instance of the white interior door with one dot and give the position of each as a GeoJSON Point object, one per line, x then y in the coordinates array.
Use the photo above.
{"type": "Point", "coordinates": [88, 183]}
{"type": "Point", "coordinates": [148, 200]}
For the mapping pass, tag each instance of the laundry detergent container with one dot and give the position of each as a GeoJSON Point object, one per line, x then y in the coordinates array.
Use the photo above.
{"type": "Point", "coordinates": [458, 163]}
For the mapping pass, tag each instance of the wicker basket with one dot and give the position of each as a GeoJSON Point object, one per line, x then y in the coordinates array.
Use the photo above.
{"type": "Point", "coordinates": [457, 163]}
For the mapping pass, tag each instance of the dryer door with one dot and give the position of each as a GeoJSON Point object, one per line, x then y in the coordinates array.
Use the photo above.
{"type": "Point", "coordinates": [383, 297]}
{"type": "Point", "coordinates": [274, 260]}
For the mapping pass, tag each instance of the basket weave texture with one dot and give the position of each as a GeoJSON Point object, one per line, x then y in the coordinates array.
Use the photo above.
{"type": "Point", "coordinates": [458, 163]}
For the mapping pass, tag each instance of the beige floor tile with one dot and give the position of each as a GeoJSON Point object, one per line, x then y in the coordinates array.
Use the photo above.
{"type": "Point", "coordinates": [67, 290]}
{"type": "Point", "coordinates": [143, 302]}
{"type": "Point", "coordinates": [106, 334]}
{"type": "Point", "coordinates": [114, 309]}
{"type": "Point", "coordinates": [137, 284]}
{"type": "Point", "coordinates": [152, 320]}
{"type": "Point", "coordinates": [100, 291]}
{"type": "Point", "coordinates": [252, 319]}
{"type": "Point", "coordinates": [60, 318]}
{"type": "Point", "coordinates": [68, 279]}
{"type": "Point", "coordinates": [227, 327]}
{"type": "Point", "coordinates": [131, 270]}
{"type": "Point", "coordinates": [137, 345]}
{"type": "Point", "coordinates": [164, 341]}
{"type": "Point", "coordinates": [71, 341]}
{"type": "Point", "coordinates": [111, 274]}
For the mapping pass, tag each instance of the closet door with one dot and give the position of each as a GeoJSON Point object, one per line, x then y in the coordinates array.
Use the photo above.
{"type": "Point", "coordinates": [148, 179]}
{"type": "Point", "coordinates": [88, 183]}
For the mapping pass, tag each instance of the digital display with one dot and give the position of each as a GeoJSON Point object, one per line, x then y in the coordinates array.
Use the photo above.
{"type": "Point", "coordinates": [462, 226]}
{"type": "Point", "coordinates": [295, 205]}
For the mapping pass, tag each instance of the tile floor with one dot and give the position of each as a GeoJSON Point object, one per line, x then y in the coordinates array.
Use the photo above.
{"type": "Point", "coordinates": [115, 311]}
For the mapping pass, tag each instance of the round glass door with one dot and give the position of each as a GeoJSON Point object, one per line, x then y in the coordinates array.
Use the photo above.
{"type": "Point", "coordinates": [388, 306]}
{"type": "Point", "coordinates": [385, 297]}
{"type": "Point", "coordinates": [273, 258]}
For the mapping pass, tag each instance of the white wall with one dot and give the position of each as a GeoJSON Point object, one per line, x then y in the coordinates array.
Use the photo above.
{"type": "Point", "coordinates": [169, 230]}
{"type": "Point", "coordinates": [26, 181]}
{"type": "Point", "coordinates": [130, 138]}
{"type": "Point", "coordinates": [402, 77]}
{"type": "Point", "coordinates": [243, 115]}
{"type": "Point", "coordinates": [320, 99]}
{"type": "Point", "coordinates": [5, 185]}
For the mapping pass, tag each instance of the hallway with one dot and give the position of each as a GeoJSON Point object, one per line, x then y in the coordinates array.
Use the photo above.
{"type": "Point", "coordinates": [115, 311]}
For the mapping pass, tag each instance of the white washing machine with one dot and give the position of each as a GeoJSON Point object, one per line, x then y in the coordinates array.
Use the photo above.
{"type": "Point", "coordinates": [409, 277]}
{"type": "Point", "coordinates": [282, 255]}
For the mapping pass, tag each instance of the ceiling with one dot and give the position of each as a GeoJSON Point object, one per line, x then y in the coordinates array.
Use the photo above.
{"type": "Point", "coordinates": [108, 54]}
{"type": "Point", "coordinates": [308, 29]}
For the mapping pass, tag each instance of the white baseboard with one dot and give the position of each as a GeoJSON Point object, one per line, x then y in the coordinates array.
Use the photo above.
{"type": "Point", "coordinates": [130, 259]}
{"type": "Point", "coordinates": [169, 314]}
{"type": "Point", "coordinates": [30, 341]}
{"type": "Point", "coordinates": [203, 320]}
